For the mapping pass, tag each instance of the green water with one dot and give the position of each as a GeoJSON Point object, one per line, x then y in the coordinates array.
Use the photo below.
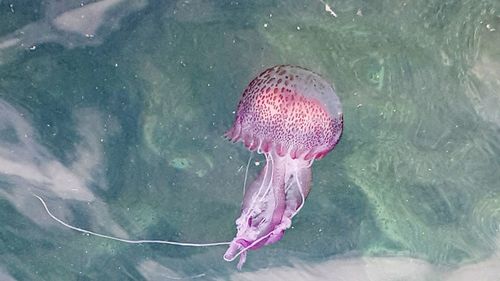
{"type": "Point", "coordinates": [114, 112]}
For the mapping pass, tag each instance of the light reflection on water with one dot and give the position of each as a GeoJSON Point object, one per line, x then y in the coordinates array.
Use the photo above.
{"type": "Point", "coordinates": [113, 110]}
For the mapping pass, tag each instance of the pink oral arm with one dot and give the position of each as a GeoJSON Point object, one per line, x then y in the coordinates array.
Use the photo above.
{"type": "Point", "coordinates": [262, 210]}
{"type": "Point", "coordinates": [297, 188]}
{"type": "Point", "coordinates": [266, 214]}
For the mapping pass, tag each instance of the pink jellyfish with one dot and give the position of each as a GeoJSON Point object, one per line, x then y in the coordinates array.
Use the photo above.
{"type": "Point", "coordinates": [293, 116]}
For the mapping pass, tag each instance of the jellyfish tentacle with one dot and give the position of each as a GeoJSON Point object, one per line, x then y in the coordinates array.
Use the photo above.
{"type": "Point", "coordinates": [129, 241]}
{"type": "Point", "coordinates": [270, 160]}
{"type": "Point", "coordinates": [253, 191]}
{"type": "Point", "coordinates": [303, 175]}
{"type": "Point", "coordinates": [246, 171]}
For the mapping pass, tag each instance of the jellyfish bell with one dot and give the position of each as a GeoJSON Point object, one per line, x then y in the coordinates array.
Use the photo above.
{"type": "Point", "coordinates": [292, 116]}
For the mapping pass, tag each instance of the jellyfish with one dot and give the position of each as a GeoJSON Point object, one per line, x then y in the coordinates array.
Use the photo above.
{"type": "Point", "coordinates": [292, 116]}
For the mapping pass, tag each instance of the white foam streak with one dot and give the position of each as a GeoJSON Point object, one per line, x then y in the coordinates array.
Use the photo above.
{"type": "Point", "coordinates": [26, 166]}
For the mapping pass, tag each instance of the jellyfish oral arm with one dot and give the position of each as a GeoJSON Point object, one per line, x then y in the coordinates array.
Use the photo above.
{"type": "Point", "coordinates": [297, 188]}
{"type": "Point", "coordinates": [262, 209]}
{"type": "Point", "coordinates": [269, 205]}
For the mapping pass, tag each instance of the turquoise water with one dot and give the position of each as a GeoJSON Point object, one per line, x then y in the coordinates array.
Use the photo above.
{"type": "Point", "coordinates": [114, 111]}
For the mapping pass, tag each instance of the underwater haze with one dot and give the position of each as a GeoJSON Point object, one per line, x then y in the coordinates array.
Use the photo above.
{"type": "Point", "coordinates": [113, 111]}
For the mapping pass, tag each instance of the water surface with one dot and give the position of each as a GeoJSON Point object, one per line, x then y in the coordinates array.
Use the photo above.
{"type": "Point", "coordinates": [114, 112]}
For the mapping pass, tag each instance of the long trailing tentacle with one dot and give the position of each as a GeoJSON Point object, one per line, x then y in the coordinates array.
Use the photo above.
{"type": "Point", "coordinates": [123, 239]}
{"type": "Point", "coordinates": [268, 167]}
{"type": "Point", "coordinates": [303, 199]}
{"type": "Point", "coordinates": [270, 160]}
{"type": "Point", "coordinates": [246, 172]}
